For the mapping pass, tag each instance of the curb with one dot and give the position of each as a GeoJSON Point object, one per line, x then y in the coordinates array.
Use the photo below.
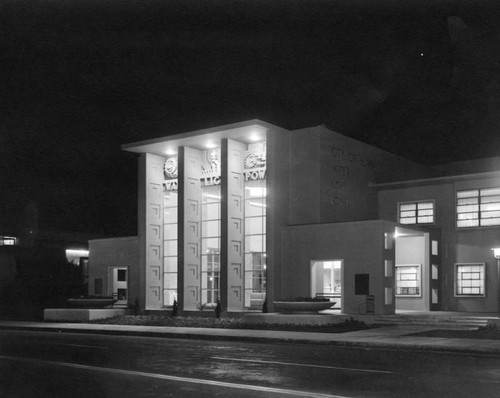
{"type": "Point", "coordinates": [374, 345]}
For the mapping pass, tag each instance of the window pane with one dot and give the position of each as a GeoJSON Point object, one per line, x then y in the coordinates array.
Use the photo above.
{"type": "Point", "coordinates": [254, 225]}
{"type": "Point", "coordinates": [170, 215]}
{"type": "Point", "coordinates": [467, 194]}
{"type": "Point", "coordinates": [170, 281]}
{"type": "Point", "coordinates": [425, 220]}
{"type": "Point", "coordinates": [408, 206]}
{"type": "Point", "coordinates": [490, 221]}
{"type": "Point", "coordinates": [425, 205]}
{"type": "Point", "coordinates": [255, 207]}
{"type": "Point", "coordinates": [467, 208]}
{"type": "Point", "coordinates": [169, 231]}
{"type": "Point", "coordinates": [210, 228]}
{"type": "Point", "coordinates": [210, 244]}
{"type": "Point", "coordinates": [254, 243]}
{"type": "Point", "coordinates": [489, 207]}
{"type": "Point", "coordinates": [170, 199]}
{"type": "Point", "coordinates": [170, 247]}
{"type": "Point", "coordinates": [468, 223]}
{"type": "Point", "coordinates": [211, 211]}
{"type": "Point", "coordinates": [170, 264]}
{"type": "Point", "coordinates": [490, 191]}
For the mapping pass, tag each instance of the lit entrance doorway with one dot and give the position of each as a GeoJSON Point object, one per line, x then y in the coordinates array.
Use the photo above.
{"type": "Point", "coordinates": [327, 281]}
{"type": "Point", "coordinates": [416, 270]}
{"type": "Point", "coordinates": [118, 277]}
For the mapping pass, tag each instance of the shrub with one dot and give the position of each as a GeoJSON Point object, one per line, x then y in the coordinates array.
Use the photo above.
{"type": "Point", "coordinates": [175, 310]}
{"type": "Point", "coordinates": [218, 309]}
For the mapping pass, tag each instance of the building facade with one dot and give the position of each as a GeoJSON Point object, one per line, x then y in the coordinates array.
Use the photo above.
{"type": "Point", "coordinates": [251, 212]}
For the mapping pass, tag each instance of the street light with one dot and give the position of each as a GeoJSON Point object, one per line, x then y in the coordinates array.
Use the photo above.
{"type": "Point", "coordinates": [496, 254]}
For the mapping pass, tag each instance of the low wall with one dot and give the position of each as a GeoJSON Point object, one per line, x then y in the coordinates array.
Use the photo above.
{"type": "Point", "coordinates": [296, 319]}
{"type": "Point", "coordinates": [80, 314]}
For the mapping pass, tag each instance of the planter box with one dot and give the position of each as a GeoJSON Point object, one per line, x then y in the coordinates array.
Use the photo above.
{"type": "Point", "coordinates": [302, 306]}
{"type": "Point", "coordinates": [91, 303]}
{"type": "Point", "coordinates": [80, 314]}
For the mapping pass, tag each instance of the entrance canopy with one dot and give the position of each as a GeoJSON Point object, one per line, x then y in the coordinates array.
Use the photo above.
{"type": "Point", "coordinates": [244, 132]}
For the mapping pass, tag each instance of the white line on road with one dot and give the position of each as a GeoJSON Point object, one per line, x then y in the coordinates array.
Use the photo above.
{"type": "Point", "coordinates": [82, 346]}
{"type": "Point", "coordinates": [176, 378]}
{"type": "Point", "coordinates": [302, 364]}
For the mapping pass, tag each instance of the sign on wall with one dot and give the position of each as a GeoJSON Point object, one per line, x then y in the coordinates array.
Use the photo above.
{"type": "Point", "coordinates": [171, 173]}
{"type": "Point", "coordinates": [255, 162]}
{"type": "Point", "coordinates": [210, 167]}
{"type": "Point", "coordinates": [254, 167]}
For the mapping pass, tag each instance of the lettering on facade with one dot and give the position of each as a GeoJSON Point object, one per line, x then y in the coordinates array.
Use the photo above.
{"type": "Point", "coordinates": [344, 169]}
{"type": "Point", "coordinates": [254, 167]}
{"type": "Point", "coordinates": [171, 173]}
{"type": "Point", "coordinates": [210, 167]}
{"type": "Point", "coordinates": [341, 171]}
{"type": "Point", "coordinates": [341, 155]}
{"type": "Point", "coordinates": [339, 201]}
{"type": "Point", "coordinates": [255, 162]}
{"type": "Point", "coordinates": [171, 185]}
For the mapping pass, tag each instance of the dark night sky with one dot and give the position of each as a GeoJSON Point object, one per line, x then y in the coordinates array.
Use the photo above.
{"type": "Point", "coordinates": [79, 78]}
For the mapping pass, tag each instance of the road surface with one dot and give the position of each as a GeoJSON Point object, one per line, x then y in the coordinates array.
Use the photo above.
{"type": "Point", "coordinates": [48, 364]}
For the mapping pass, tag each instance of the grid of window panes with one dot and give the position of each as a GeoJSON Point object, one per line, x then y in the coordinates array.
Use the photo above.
{"type": "Point", "coordinates": [478, 207]}
{"type": "Point", "coordinates": [255, 244]}
{"type": "Point", "coordinates": [210, 245]}
{"type": "Point", "coordinates": [170, 207]}
{"type": "Point", "coordinates": [408, 280]}
{"type": "Point", "coordinates": [470, 280]}
{"type": "Point", "coordinates": [416, 213]}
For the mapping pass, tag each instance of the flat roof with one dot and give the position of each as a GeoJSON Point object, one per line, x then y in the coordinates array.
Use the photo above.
{"type": "Point", "coordinates": [436, 180]}
{"type": "Point", "coordinates": [247, 132]}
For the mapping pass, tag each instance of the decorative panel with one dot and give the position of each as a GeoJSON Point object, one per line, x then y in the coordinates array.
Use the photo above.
{"type": "Point", "coordinates": [154, 212]}
{"type": "Point", "coordinates": [235, 295]}
{"type": "Point", "coordinates": [155, 272]}
{"type": "Point", "coordinates": [192, 218]}
{"type": "Point", "coordinates": [154, 293]}
{"type": "Point", "coordinates": [153, 231]}
{"type": "Point", "coordinates": [232, 218]}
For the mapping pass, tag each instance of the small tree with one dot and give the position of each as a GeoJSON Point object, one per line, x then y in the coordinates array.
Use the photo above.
{"type": "Point", "coordinates": [218, 309]}
{"type": "Point", "coordinates": [264, 307]}
{"type": "Point", "coordinates": [175, 310]}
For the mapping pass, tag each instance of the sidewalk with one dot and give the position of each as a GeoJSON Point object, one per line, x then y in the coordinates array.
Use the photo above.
{"type": "Point", "coordinates": [396, 337]}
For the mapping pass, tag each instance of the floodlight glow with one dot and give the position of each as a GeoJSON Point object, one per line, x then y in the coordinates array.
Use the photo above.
{"type": "Point", "coordinates": [77, 253]}
{"type": "Point", "coordinates": [496, 252]}
{"type": "Point", "coordinates": [256, 191]}
{"type": "Point", "coordinates": [209, 195]}
{"type": "Point", "coordinates": [257, 204]}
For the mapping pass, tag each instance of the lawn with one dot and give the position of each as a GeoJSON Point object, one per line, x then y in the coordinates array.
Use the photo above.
{"type": "Point", "coordinates": [230, 323]}
{"type": "Point", "coordinates": [486, 332]}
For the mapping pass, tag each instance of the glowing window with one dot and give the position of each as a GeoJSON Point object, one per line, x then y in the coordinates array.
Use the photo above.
{"type": "Point", "coordinates": [416, 213]}
{"type": "Point", "coordinates": [470, 279]}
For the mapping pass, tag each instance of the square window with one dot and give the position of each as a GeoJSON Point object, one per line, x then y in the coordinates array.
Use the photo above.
{"type": "Point", "coordinates": [416, 213]}
{"type": "Point", "coordinates": [408, 280]}
{"type": "Point", "coordinates": [121, 275]}
{"type": "Point", "coordinates": [470, 279]}
{"type": "Point", "coordinates": [478, 208]}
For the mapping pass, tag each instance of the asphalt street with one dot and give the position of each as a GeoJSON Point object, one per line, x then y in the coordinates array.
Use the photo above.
{"type": "Point", "coordinates": [48, 364]}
